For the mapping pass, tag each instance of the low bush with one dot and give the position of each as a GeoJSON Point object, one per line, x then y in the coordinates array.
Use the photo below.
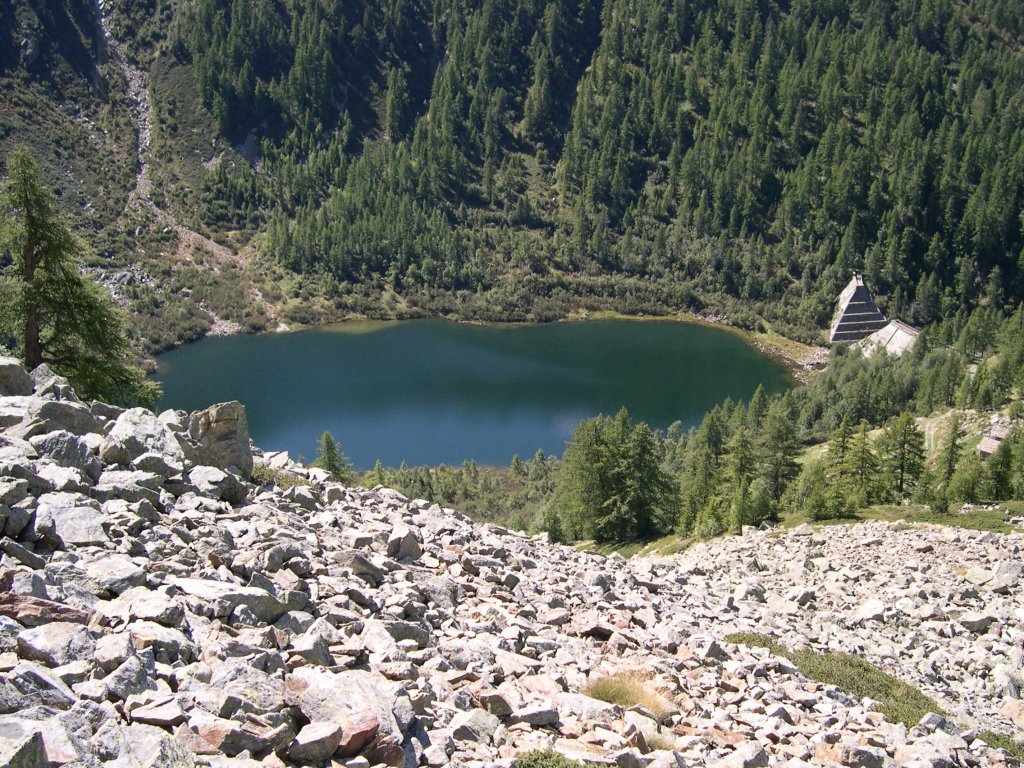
{"type": "Point", "coordinates": [264, 474]}
{"type": "Point", "coordinates": [544, 758]}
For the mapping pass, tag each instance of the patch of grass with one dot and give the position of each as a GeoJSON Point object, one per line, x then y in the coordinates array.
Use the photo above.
{"type": "Point", "coordinates": [1002, 741]}
{"type": "Point", "coordinates": [664, 545]}
{"type": "Point", "coordinates": [264, 474]}
{"type": "Point", "coordinates": [624, 548]}
{"type": "Point", "coordinates": [544, 758]}
{"type": "Point", "coordinates": [994, 520]}
{"type": "Point", "coordinates": [898, 701]}
{"type": "Point", "coordinates": [629, 689]}
{"type": "Point", "coordinates": [661, 743]}
{"type": "Point", "coordinates": [978, 520]}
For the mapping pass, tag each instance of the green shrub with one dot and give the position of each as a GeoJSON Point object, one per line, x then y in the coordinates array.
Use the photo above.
{"type": "Point", "coordinates": [264, 474]}
{"type": "Point", "coordinates": [1001, 741]}
{"type": "Point", "coordinates": [544, 758]}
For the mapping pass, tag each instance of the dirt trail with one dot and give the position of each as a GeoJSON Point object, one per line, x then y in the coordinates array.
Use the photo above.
{"type": "Point", "coordinates": [142, 112]}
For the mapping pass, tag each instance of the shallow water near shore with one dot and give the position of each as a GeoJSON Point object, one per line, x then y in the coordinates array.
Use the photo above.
{"type": "Point", "coordinates": [433, 392]}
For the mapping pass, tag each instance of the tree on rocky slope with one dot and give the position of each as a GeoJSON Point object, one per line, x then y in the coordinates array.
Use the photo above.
{"type": "Point", "coordinates": [48, 309]}
{"type": "Point", "coordinates": [611, 486]}
{"type": "Point", "coordinates": [329, 457]}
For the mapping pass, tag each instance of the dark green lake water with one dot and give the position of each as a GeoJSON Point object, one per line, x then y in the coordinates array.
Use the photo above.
{"type": "Point", "coordinates": [432, 392]}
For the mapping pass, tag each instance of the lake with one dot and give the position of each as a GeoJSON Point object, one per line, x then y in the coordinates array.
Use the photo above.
{"type": "Point", "coordinates": [433, 392]}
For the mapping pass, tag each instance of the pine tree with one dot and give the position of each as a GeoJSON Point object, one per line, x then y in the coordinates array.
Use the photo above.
{"type": "Point", "coordinates": [757, 409]}
{"type": "Point", "coordinates": [839, 443]}
{"type": "Point", "coordinates": [861, 467]}
{"type": "Point", "coordinates": [611, 486]}
{"type": "Point", "coordinates": [950, 454]}
{"type": "Point", "coordinates": [55, 314]}
{"type": "Point", "coordinates": [901, 449]}
{"type": "Point", "coordinates": [738, 471]}
{"type": "Point", "coordinates": [375, 476]}
{"type": "Point", "coordinates": [330, 458]}
{"type": "Point", "coordinates": [396, 104]}
{"type": "Point", "coordinates": [778, 448]}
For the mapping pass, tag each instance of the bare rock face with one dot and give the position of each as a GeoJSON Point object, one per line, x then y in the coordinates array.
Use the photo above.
{"type": "Point", "coordinates": [22, 750]}
{"type": "Point", "coordinates": [315, 742]}
{"type": "Point", "coordinates": [223, 431]}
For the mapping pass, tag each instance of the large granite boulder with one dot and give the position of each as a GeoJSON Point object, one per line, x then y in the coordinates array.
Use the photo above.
{"type": "Point", "coordinates": [39, 416]}
{"type": "Point", "coordinates": [14, 380]}
{"type": "Point", "coordinates": [68, 450]}
{"type": "Point", "coordinates": [65, 520]}
{"type": "Point", "coordinates": [138, 432]}
{"type": "Point", "coordinates": [222, 430]}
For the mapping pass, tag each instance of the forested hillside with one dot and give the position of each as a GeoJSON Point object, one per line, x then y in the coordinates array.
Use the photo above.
{"type": "Point", "coordinates": [516, 159]}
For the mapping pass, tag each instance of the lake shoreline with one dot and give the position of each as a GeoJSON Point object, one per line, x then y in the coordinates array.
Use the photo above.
{"type": "Point", "coordinates": [802, 361]}
{"type": "Point", "coordinates": [435, 391]}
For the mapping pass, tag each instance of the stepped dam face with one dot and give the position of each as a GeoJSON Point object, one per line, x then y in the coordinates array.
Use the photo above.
{"type": "Point", "coordinates": [433, 392]}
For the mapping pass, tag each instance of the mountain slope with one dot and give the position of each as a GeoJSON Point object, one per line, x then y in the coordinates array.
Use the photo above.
{"type": "Point", "coordinates": [513, 159]}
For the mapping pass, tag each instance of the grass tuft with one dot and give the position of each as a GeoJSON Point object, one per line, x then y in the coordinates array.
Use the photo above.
{"type": "Point", "coordinates": [661, 546]}
{"type": "Point", "coordinates": [1002, 741]}
{"type": "Point", "coordinates": [629, 689]}
{"type": "Point", "coordinates": [980, 519]}
{"type": "Point", "coordinates": [663, 743]}
{"type": "Point", "coordinates": [898, 701]}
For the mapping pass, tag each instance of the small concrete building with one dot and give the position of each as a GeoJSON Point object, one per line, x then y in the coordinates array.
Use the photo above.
{"type": "Point", "coordinates": [895, 338]}
{"type": "Point", "coordinates": [997, 433]}
{"type": "Point", "coordinates": [856, 317]}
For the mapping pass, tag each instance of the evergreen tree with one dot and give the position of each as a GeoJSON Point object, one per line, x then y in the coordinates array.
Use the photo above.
{"type": "Point", "coordinates": [700, 477]}
{"type": "Point", "coordinates": [999, 468]}
{"type": "Point", "coordinates": [53, 313]}
{"type": "Point", "coordinates": [375, 476]}
{"type": "Point", "coordinates": [739, 467]}
{"type": "Point", "coordinates": [969, 482]}
{"type": "Point", "coordinates": [949, 456]}
{"type": "Point", "coordinates": [861, 467]}
{"type": "Point", "coordinates": [839, 444]}
{"type": "Point", "coordinates": [901, 449]}
{"type": "Point", "coordinates": [757, 409]}
{"type": "Point", "coordinates": [330, 458]}
{"type": "Point", "coordinates": [611, 486]}
{"type": "Point", "coordinates": [396, 104]}
{"type": "Point", "coordinates": [778, 448]}
{"type": "Point", "coordinates": [517, 466]}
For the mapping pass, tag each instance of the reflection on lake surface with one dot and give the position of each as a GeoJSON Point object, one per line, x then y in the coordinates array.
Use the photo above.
{"type": "Point", "coordinates": [432, 392]}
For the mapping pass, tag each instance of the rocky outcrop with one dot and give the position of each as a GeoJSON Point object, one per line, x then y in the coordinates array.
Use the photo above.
{"type": "Point", "coordinates": [156, 611]}
{"type": "Point", "coordinates": [14, 380]}
{"type": "Point", "coordinates": [223, 433]}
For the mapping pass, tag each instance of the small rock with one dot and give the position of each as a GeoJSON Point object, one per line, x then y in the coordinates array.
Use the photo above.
{"type": "Point", "coordinates": [316, 741]}
{"type": "Point", "coordinates": [474, 725]}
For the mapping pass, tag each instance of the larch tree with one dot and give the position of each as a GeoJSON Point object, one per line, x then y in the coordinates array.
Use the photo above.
{"type": "Point", "coordinates": [902, 455]}
{"type": "Point", "coordinates": [49, 311]}
{"type": "Point", "coordinates": [778, 447]}
{"type": "Point", "coordinates": [330, 458]}
{"type": "Point", "coordinates": [611, 486]}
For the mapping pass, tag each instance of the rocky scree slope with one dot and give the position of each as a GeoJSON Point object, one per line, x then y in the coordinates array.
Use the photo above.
{"type": "Point", "coordinates": [160, 608]}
